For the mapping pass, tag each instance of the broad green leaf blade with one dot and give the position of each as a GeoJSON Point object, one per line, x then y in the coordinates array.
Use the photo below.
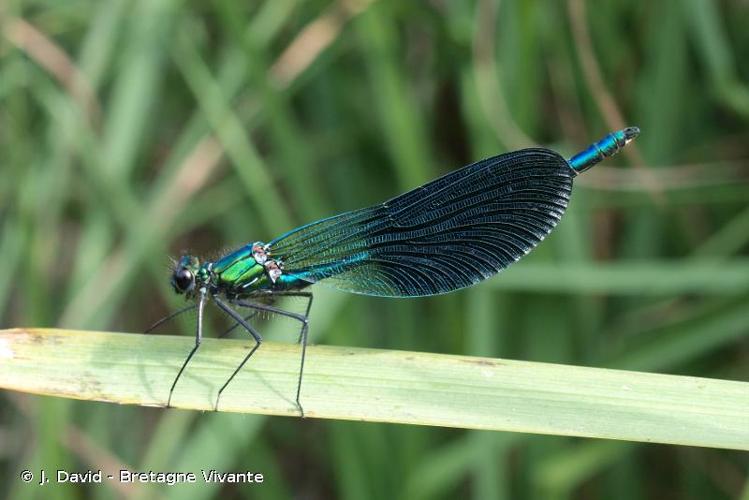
{"type": "Point", "coordinates": [383, 386]}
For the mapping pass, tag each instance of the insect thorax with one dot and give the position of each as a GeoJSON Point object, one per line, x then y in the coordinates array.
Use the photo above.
{"type": "Point", "coordinates": [247, 269]}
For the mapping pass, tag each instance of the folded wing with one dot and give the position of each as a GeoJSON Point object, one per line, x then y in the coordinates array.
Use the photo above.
{"type": "Point", "coordinates": [448, 234]}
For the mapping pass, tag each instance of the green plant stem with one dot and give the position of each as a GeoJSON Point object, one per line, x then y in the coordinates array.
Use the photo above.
{"type": "Point", "coordinates": [378, 385]}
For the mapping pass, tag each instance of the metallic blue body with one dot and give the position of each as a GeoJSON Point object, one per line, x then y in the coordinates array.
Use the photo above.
{"type": "Point", "coordinates": [448, 234]}
{"type": "Point", "coordinates": [608, 146]}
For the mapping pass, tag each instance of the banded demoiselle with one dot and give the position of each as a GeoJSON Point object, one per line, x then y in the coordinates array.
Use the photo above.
{"type": "Point", "coordinates": [450, 233]}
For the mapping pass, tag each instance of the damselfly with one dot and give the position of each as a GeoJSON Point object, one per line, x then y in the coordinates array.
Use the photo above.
{"type": "Point", "coordinates": [450, 233]}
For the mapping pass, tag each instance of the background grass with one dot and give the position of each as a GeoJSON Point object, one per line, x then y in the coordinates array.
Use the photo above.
{"type": "Point", "coordinates": [130, 131]}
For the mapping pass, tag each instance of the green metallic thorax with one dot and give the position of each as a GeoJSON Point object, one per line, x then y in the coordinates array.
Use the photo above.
{"type": "Point", "coordinates": [238, 271]}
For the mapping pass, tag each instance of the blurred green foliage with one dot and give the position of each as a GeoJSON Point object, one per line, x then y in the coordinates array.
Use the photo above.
{"type": "Point", "coordinates": [130, 131]}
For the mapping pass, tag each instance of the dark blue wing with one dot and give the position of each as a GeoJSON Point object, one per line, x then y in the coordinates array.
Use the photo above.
{"type": "Point", "coordinates": [448, 234]}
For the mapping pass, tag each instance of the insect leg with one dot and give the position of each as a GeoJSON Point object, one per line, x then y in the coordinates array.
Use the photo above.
{"type": "Point", "coordinates": [198, 338]}
{"type": "Point", "coordinates": [169, 317]}
{"type": "Point", "coordinates": [308, 296]}
{"type": "Point", "coordinates": [303, 319]}
{"type": "Point", "coordinates": [232, 328]}
{"type": "Point", "coordinates": [255, 335]}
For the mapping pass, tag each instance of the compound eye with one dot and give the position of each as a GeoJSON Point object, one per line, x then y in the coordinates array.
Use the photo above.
{"type": "Point", "coordinates": [182, 280]}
